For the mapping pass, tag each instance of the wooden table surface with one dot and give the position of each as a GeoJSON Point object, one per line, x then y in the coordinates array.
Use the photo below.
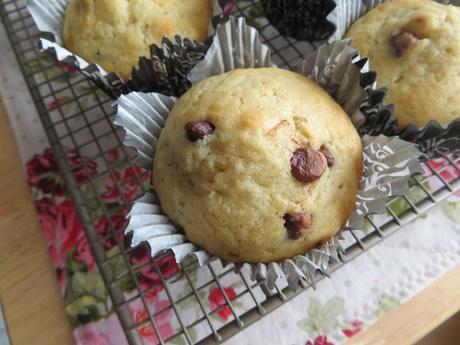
{"type": "Point", "coordinates": [34, 308]}
{"type": "Point", "coordinates": [32, 304]}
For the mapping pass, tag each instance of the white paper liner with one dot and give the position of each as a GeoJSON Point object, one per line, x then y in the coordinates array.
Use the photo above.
{"type": "Point", "coordinates": [49, 17]}
{"type": "Point", "coordinates": [388, 161]}
{"type": "Point", "coordinates": [433, 139]}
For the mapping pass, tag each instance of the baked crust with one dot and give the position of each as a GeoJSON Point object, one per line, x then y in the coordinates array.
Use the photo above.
{"type": "Point", "coordinates": [230, 190]}
{"type": "Point", "coordinates": [115, 33]}
{"type": "Point", "coordinates": [424, 82]}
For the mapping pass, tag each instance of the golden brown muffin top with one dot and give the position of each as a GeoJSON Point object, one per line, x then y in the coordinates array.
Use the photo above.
{"type": "Point", "coordinates": [115, 33]}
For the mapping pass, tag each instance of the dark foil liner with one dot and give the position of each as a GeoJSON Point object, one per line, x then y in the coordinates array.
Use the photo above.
{"type": "Point", "coordinates": [167, 68]}
{"type": "Point", "coordinates": [304, 20]}
{"type": "Point", "coordinates": [434, 140]}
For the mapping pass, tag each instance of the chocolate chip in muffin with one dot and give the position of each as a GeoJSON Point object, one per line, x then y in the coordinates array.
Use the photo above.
{"type": "Point", "coordinates": [296, 224]}
{"type": "Point", "coordinates": [198, 129]}
{"type": "Point", "coordinates": [329, 157]}
{"type": "Point", "coordinates": [401, 42]}
{"type": "Point", "coordinates": [307, 165]}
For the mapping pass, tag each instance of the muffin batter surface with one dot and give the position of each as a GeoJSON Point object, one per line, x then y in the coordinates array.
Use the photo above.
{"type": "Point", "coordinates": [258, 165]}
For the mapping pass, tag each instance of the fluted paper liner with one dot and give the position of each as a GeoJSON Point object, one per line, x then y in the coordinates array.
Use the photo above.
{"type": "Point", "coordinates": [154, 73]}
{"type": "Point", "coordinates": [388, 161]}
{"type": "Point", "coordinates": [433, 139]}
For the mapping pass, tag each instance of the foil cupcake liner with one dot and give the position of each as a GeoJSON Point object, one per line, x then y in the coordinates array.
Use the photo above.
{"type": "Point", "coordinates": [164, 71]}
{"type": "Point", "coordinates": [433, 139]}
{"type": "Point", "coordinates": [388, 161]}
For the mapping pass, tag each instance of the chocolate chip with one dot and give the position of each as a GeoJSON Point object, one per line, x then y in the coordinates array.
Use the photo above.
{"type": "Point", "coordinates": [198, 129]}
{"type": "Point", "coordinates": [402, 42]}
{"type": "Point", "coordinates": [329, 157]}
{"type": "Point", "coordinates": [297, 224]}
{"type": "Point", "coordinates": [307, 165]}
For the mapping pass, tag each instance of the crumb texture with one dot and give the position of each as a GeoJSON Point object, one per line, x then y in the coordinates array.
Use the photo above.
{"type": "Point", "coordinates": [233, 190]}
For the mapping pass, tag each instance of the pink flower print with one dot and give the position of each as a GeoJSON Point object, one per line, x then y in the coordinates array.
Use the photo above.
{"type": "Point", "coordinates": [53, 105]}
{"type": "Point", "coordinates": [319, 340]}
{"type": "Point", "coordinates": [42, 173]}
{"type": "Point", "coordinates": [149, 278]}
{"type": "Point", "coordinates": [229, 8]}
{"type": "Point", "coordinates": [162, 320]}
{"type": "Point", "coordinates": [103, 227]}
{"type": "Point", "coordinates": [61, 226]}
{"type": "Point", "coordinates": [67, 67]}
{"type": "Point", "coordinates": [83, 253]}
{"type": "Point", "coordinates": [449, 174]}
{"type": "Point", "coordinates": [355, 327]}
{"type": "Point", "coordinates": [127, 184]}
{"type": "Point", "coordinates": [113, 155]}
{"type": "Point", "coordinates": [82, 167]}
{"type": "Point", "coordinates": [216, 299]}
{"type": "Point", "coordinates": [91, 336]}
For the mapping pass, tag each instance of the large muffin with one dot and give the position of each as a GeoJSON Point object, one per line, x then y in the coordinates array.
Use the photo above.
{"type": "Point", "coordinates": [414, 45]}
{"type": "Point", "coordinates": [115, 33]}
{"type": "Point", "coordinates": [258, 165]}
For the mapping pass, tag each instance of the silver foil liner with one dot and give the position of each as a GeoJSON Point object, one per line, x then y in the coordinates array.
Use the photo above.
{"type": "Point", "coordinates": [433, 139]}
{"type": "Point", "coordinates": [388, 161]}
{"type": "Point", "coordinates": [164, 71]}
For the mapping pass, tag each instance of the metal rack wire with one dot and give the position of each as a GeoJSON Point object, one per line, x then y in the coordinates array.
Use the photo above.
{"type": "Point", "coordinates": [80, 120]}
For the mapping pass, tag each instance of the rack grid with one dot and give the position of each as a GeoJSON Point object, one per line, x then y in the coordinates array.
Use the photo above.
{"type": "Point", "coordinates": [78, 119]}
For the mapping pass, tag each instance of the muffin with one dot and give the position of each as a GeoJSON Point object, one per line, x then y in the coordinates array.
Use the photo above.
{"type": "Point", "coordinates": [114, 34]}
{"type": "Point", "coordinates": [258, 165]}
{"type": "Point", "coordinates": [414, 46]}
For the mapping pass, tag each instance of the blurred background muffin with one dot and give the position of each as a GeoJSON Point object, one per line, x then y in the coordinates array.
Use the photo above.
{"type": "Point", "coordinates": [115, 33]}
{"type": "Point", "coordinates": [414, 46]}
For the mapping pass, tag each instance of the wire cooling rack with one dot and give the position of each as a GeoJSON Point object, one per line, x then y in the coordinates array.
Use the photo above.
{"type": "Point", "coordinates": [78, 119]}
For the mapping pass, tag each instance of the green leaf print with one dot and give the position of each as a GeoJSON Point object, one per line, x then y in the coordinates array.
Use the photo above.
{"type": "Point", "coordinates": [188, 303]}
{"type": "Point", "coordinates": [86, 298]}
{"type": "Point", "coordinates": [86, 284]}
{"type": "Point", "coordinates": [193, 333]}
{"type": "Point", "coordinates": [452, 210]}
{"type": "Point", "coordinates": [399, 206]}
{"type": "Point", "coordinates": [120, 268]}
{"type": "Point", "coordinates": [72, 265]}
{"type": "Point", "coordinates": [322, 318]}
{"type": "Point", "coordinates": [179, 340]}
{"type": "Point", "coordinates": [385, 303]}
{"type": "Point", "coordinates": [83, 310]}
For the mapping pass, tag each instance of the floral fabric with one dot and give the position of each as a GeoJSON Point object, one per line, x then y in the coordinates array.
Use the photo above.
{"type": "Point", "coordinates": [87, 302]}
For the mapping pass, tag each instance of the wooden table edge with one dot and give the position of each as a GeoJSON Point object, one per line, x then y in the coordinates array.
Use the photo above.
{"type": "Point", "coordinates": [32, 305]}
{"type": "Point", "coordinates": [417, 317]}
